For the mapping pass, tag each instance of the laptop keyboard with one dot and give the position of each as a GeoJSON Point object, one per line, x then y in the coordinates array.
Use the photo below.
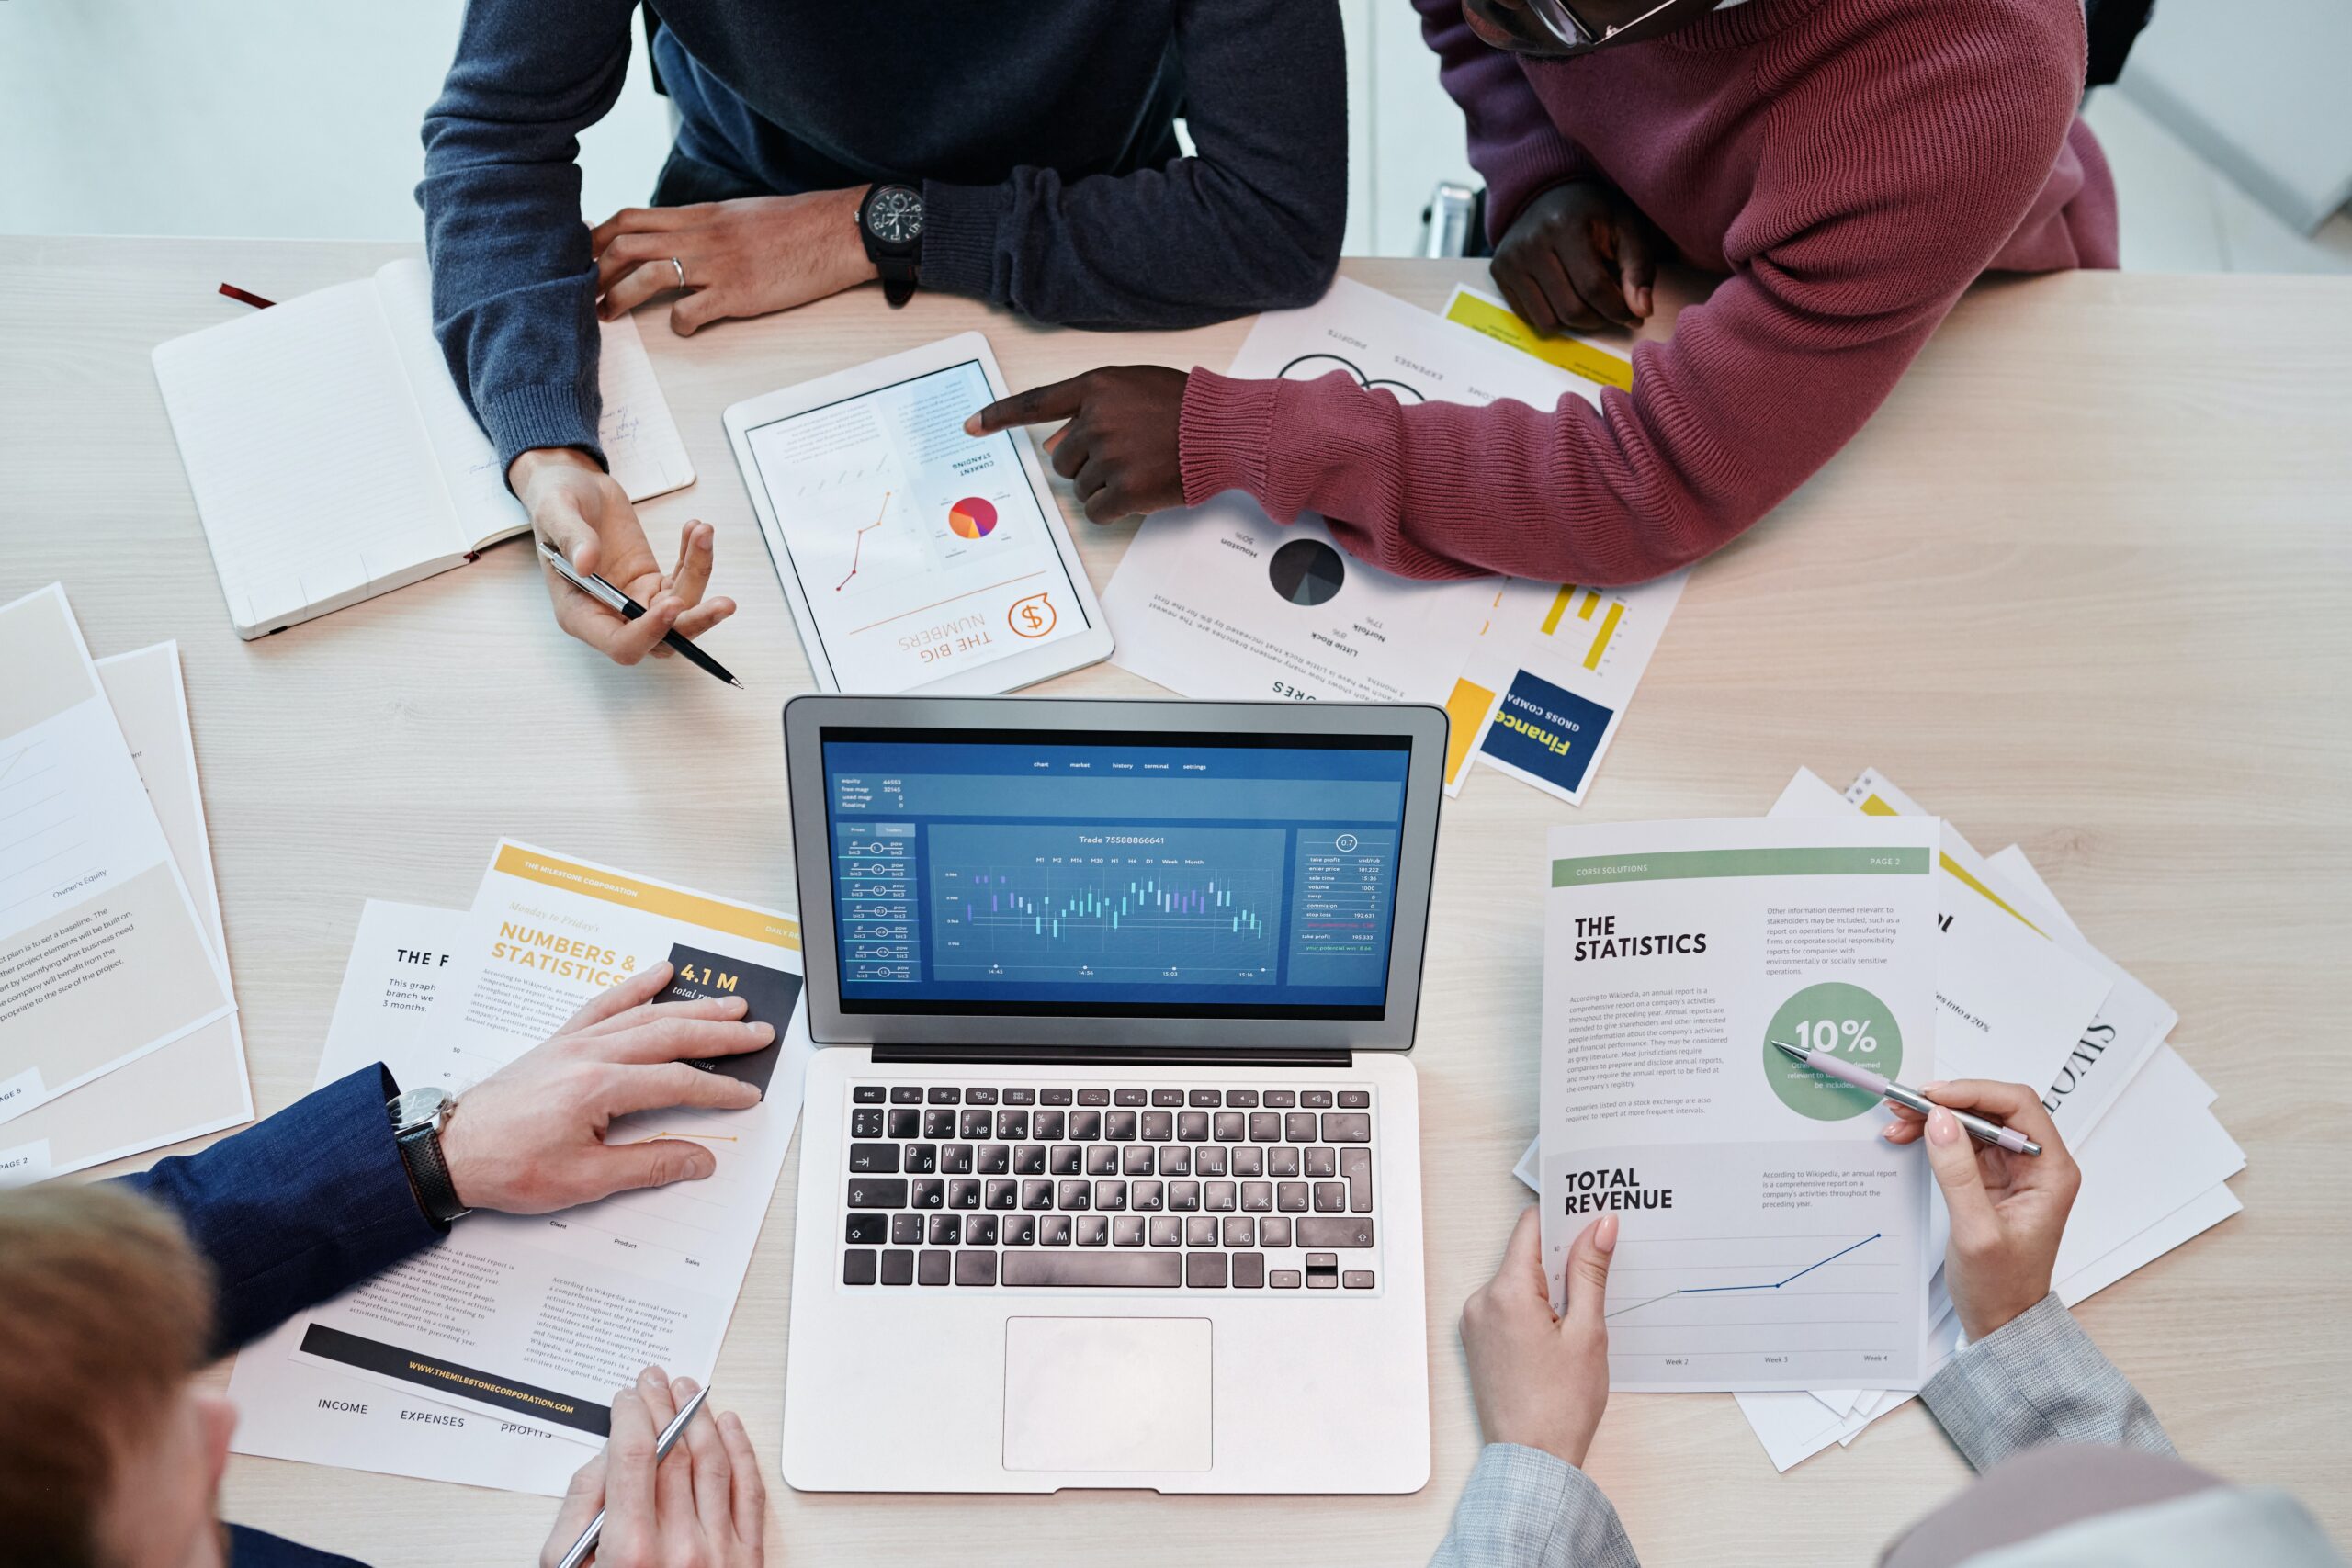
{"type": "Point", "coordinates": [1055, 1187]}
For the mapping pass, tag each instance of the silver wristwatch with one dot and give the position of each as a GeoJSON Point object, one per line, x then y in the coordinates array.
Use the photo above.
{"type": "Point", "coordinates": [418, 1116]}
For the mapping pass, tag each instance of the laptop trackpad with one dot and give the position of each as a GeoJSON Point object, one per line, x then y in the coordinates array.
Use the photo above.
{"type": "Point", "coordinates": [1106, 1394]}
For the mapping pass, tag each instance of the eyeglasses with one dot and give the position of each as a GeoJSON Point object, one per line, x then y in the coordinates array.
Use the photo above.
{"type": "Point", "coordinates": [1560, 19]}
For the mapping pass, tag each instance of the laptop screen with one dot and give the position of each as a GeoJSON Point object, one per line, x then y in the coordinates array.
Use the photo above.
{"type": "Point", "coordinates": [1115, 873]}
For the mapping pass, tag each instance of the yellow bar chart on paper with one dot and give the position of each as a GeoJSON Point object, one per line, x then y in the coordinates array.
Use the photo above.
{"type": "Point", "coordinates": [1551, 672]}
{"type": "Point", "coordinates": [1468, 308]}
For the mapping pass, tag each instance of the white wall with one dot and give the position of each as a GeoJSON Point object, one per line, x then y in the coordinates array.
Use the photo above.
{"type": "Point", "coordinates": [250, 117]}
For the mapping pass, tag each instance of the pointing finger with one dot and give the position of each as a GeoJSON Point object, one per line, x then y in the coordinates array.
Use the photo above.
{"type": "Point", "coordinates": [1035, 406]}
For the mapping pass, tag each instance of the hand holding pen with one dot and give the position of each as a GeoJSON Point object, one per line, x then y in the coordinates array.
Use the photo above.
{"type": "Point", "coordinates": [2009, 1187]}
{"type": "Point", "coordinates": [675, 1485]}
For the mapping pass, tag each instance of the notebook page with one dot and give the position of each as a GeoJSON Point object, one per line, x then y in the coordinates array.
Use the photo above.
{"type": "Point", "coordinates": [311, 468]}
{"type": "Point", "coordinates": [639, 438]}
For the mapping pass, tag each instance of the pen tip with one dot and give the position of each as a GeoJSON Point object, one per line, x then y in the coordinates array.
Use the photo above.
{"type": "Point", "coordinates": [737, 684]}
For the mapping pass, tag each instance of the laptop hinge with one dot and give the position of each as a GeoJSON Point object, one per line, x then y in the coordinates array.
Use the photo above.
{"type": "Point", "coordinates": [1097, 1057]}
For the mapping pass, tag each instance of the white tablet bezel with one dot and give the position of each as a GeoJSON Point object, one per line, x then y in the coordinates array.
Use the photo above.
{"type": "Point", "coordinates": [1089, 646]}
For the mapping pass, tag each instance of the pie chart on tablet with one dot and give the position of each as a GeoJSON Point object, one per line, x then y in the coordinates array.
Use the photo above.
{"type": "Point", "coordinates": [1307, 571]}
{"type": "Point", "coordinates": [972, 518]}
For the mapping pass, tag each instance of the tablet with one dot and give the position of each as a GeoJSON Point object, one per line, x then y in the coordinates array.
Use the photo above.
{"type": "Point", "coordinates": [916, 558]}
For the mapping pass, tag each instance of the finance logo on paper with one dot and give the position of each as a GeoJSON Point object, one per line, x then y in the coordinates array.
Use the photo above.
{"type": "Point", "coordinates": [771, 995]}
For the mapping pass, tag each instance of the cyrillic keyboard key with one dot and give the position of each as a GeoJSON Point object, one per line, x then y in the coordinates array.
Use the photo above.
{"type": "Point", "coordinates": [876, 1192]}
{"type": "Point", "coordinates": [1330, 1197]}
{"type": "Point", "coordinates": [1003, 1193]}
{"type": "Point", "coordinates": [926, 1193]}
{"type": "Point", "coordinates": [980, 1231]}
{"type": "Point", "coordinates": [1290, 1197]}
{"type": "Point", "coordinates": [1093, 1230]}
{"type": "Point", "coordinates": [1219, 1197]}
{"type": "Point", "coordinates": [857, 1267]}
{"type": "Point", "coordinates": [1315, 1230]}
{"type": "Point", "coordinates": [1020, 1230]}
{"type": "Point", "coordinates": [1200, 1231]}
{"type": "Point", "coordinates": [1248, 1160]}
{"type": "Point", "coordinates": [1064, 1160]}
{"type": "Point", "coordinates": [1111, 1197]}
{"type": "Point", "coordinates": [954, 1160]}
{"type": "Point", "coordinates": [1282, 1161]}
{"type": "Point", "coordinates": [923, 1159]}
{"type": "Point", "coordinates": [964, 1192]}
{"type": "Point", "coordinates": [1136, 1161]}
{"type": "Point", "coordinates": [1183, 1197]}
{"type": "Point", "coordinates": [1256, 1197]}
{"type": "Point", "coordinates": [1029, 1159]}
{"type": "Point", "coordinates": [976, 1125]}
{"type": "Point", "coordinates": [946, 1230]}
{"type": "Point", "coordinates": [975, 1267]}
{"type": "Point", "coordinates": [1126, 1231]}
{"type": "Point", "coordinates": [1095, 1270]}
{"type": "Point", "coordinates": [1209, 1160]}
{"type": "Point", "coordinates": [1167, 1231]}
{"type": "Point", "coordinates": [1322, 1162]}
{"type": "Point", "coordinates": [1148, 1197]}
{"type": "Point", "coordinates": [1053, 1230]}
{"type": "Point", "coordinates": [992, 1159]}
{"type": "Point", "coordinates": [1175, 1160]}
{"type": "Point", "coordinates": [1204, 1270]}
{"type": "Point", "coordinates": [1238, 1232]}
{"type": "Point", "coordinates": [1102, 1159]}
{"type": "Point", "coordinates": [1072, 1195]}
{"type": "Point", "coordinates": [1037, 1196]}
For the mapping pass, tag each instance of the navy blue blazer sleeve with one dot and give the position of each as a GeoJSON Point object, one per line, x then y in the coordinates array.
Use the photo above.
{"type": "Point", "coordinates": [256, 1549]}
{"type": "Point", "coordinates": [298, 1208]}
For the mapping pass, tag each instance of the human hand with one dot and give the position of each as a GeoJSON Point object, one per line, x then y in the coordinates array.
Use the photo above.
{"type": "Point", "coordinates": [580, 510]}
{"type": "Point", "coordinates": [530, 1138]}
{"type": "Point", "coordinates": [1119, 448]}
{"type": "Point", "coordinates": [2007, 1211]}
{"type": "Point", "coordinates": [703, 1506]}
{"type": "Point", "coordinates": [1578, 257]}
{"type": "Point", "coordinates": [746, 257]}
{"type": "Point", "coordinates": [1541, 1380]}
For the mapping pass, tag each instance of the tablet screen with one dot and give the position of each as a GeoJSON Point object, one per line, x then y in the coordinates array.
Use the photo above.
{"type": "Point", "coordinates": [920, 551]}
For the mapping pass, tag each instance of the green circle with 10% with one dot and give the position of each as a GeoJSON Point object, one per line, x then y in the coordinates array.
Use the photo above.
{"type": "Point", "coordinates": [1840, 1021]}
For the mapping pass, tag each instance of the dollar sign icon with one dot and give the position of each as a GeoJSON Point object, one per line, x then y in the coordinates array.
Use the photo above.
{"type": "Point", "coordinates": [1031, 617]}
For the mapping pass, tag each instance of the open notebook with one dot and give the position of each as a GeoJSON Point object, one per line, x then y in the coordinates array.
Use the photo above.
{"type": "Point", "coordinates": [333, 458]}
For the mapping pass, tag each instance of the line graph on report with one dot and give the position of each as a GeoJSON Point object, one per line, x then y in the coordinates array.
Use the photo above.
{"type": "Point", "coordinates": [1203, 907]}
{"type": "Point", "coordinates": [1829, 1310]}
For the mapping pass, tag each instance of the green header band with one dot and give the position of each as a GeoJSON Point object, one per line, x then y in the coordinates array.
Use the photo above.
{"type": "Point", "coordinates": [1676, 865]}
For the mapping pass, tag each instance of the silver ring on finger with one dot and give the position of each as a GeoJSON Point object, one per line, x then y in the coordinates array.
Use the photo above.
{"type": "Point", "coordinates": [680, 268]}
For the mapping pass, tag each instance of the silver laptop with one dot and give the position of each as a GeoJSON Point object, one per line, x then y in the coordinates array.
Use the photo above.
{"type": "Point", "coordinates": [1112, 1175]}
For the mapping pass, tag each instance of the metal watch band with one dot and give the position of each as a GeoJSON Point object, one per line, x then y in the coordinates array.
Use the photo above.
{"type": "Point", "coordinates": [420, 1149]}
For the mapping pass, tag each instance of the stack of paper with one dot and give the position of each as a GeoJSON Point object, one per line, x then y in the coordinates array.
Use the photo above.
{"type": "Point", "coordinates": [1221, 601]}
{"type": "Point", "coordinates": [558, 1309]}
{"type": "Point", "coordinates": [2022, 995]}
{"type": "Point", "coordinates": [117, 1031]}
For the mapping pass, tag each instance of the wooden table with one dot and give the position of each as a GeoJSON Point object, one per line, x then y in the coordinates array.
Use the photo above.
{"type": "Point", "coordinates": [2083, 584]}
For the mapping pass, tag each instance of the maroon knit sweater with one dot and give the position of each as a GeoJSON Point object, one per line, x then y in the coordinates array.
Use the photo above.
{"type": "Point", "coordinates": [1852, 165]}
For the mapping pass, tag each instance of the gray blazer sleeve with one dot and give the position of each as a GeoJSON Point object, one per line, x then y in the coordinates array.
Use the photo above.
{"type": "Point", "coordinates": [1525, 1509]}
{"type": "Point", "coordinates": [2038, 1379]}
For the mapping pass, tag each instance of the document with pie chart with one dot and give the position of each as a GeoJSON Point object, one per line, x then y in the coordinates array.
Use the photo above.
{"type": "Point", "coordinates": [920, 551]}
{"type": "Point", "coordinates": [1221, 601]}
{"type": "Point", "coordinates": [1768, 1239]}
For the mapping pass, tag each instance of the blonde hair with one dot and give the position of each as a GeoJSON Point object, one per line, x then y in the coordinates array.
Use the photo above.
{"type": "Point", "coordinates": [106, 1310]}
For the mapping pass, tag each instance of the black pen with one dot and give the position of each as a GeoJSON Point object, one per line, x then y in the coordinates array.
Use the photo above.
{"type": "Point", "coordinates": [621, 604]}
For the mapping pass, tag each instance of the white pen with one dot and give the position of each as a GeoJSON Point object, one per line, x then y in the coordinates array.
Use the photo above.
{"type": "Point", "coordinates": [1861, 1077]}
{"type": "Point", "coordinates": [669, 1439]}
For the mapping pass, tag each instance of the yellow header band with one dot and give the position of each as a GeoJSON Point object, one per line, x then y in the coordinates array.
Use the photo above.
{"type": "Point", "coordinates": [1572, 354]}
{"type": "Point", "coordinates": [711, 914]}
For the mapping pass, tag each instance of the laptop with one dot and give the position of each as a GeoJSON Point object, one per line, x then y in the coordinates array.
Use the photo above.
{"type": "Point", "coordinates": [1110, 1172]}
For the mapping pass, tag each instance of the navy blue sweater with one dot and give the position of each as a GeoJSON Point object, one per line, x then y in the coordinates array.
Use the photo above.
{"type": "Point", "coordinates": [1041, 132]}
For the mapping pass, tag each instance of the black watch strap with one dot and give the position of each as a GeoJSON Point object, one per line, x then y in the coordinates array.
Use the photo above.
{"type": "Point", "coordinates": [898, 279]}
{"type": "Point", "coordinates": [420, 1149]}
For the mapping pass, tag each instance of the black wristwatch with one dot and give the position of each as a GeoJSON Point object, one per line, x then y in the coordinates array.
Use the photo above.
{"type": "Point", "coordinates": [418, 1116]}
{"type": "Point", "coordinates": [891, 221]}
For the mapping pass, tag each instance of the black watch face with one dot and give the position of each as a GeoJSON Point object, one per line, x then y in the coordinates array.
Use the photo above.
{"type": "Point", "coordinates": [894, 215]}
